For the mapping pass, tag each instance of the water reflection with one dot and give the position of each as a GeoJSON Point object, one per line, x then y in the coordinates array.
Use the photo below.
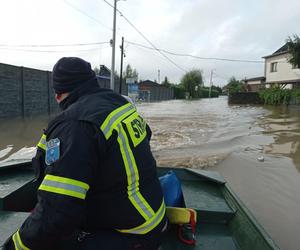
{"type": "Point", "coordinates": [18, 138]}
{"type": "Point", "coordinates": [284, 125]}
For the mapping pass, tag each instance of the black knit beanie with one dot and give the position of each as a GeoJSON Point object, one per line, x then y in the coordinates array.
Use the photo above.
{"type": "Point", "coordinates": [69, 73]}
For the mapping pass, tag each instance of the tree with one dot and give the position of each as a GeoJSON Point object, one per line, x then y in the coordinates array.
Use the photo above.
{"type": "Point", "coordinates": [166, 82]}
{"type": "Point", "coordinates": [97, 70]}
{"type": "Point", "coordinates": [216, 88]}
{"type": "Point", "coordinates": [294, 49]}
{"type": "Point", "coordinates": [192, 81]}
{"type": "Point", "coordinates": [130, 72]}
{"type": "Point", "coordinates": [234, 86]}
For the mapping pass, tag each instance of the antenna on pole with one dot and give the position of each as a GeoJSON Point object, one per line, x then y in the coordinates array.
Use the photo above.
{"type": "Point", "coordinates": [121, 70]}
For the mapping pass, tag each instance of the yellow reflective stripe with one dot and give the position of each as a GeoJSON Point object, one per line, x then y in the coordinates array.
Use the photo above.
{"type": "Point", "coordinates": [134, 194]}
{"type": "Point", "coordinates": [64, 186]}
{"type": "Point", "coordinates": [113, 122]}
{"type": "Point", "coordinates": [18, 242]}
{"type": "Point", "coordinates": [67, 181]}
{"type": "Point", "coordinates": [42, 142]}
{"type": "Point", "coordinates": [115, 117]}
{"type": "Point", "coordinates": [149, 224]}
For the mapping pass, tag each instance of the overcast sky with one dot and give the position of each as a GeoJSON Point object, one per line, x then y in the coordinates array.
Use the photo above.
{"type": "Point", "coordinates": [233, 29]}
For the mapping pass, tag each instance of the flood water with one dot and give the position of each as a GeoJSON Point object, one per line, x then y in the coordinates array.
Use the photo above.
{"type": "Point", "coordinates": [255, 148]}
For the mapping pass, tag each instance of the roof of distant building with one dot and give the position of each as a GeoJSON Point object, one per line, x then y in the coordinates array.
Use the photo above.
{"type": "Point", "coordinates": [151, 83]}
{"type": "Point", "coordinates": [104, 71]}
{"type": "Point", "coordinates": [260, 78]}
{"type": "Point", "coordinates": [148, 82]}
{"type": "Point", "coordinates": [282, 50]}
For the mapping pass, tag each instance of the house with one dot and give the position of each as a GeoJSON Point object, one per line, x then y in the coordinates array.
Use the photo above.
{"type": "Point", "coordinates": [255, 84]}
{"type": "Point", "coordinates": [104, 80]}
{"type": "Point", "coordinates": [278, 71]}
{"type": "Point", "coordinates": [104, 77]}
{"type": "Point", "coordinates": [152, 91]}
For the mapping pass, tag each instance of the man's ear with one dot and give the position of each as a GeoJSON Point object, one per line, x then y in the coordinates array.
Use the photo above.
{"type": "Point", "coordinates": [60, 97]}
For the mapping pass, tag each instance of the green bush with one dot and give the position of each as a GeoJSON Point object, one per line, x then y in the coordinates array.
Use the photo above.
{"type": "Point", "coordinates": [296, 97]}
{"type": "Point", "coordinates": [204, 93]}
{"type": "Point", "coordinates": [234, 86]}
{"type": "Point", "coordinates": [179, 92]}
{"type": "Point", "coordinates": [276, 96]}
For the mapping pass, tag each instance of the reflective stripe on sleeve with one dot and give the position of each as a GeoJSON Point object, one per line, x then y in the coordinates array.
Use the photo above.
{"type": "Point", "coordinates": [115, 117]}
{"type": "Point", "coordinates": [64, 186]}
{"type": "Point", "coordinates": [149, 224]}
{"type": "Point", "coordinates": [42, 142]}
{"type": "Point", "coordinates": [18, 242]}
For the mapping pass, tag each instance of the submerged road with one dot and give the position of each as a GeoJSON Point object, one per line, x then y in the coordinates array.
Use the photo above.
{"type": "Point", "coordinates": [256, 149]}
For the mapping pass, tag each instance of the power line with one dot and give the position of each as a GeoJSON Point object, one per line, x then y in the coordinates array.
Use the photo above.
{"type": "Point", "coordinates": [196, 57]}
{"type": "Point", "coordinates": [86, 14]}
{"type": "Point", "coordinates": [100, 43]}
{"type": "Point", "coordinates": [137, 30]}
{"type": "Point", "coordinates": [222, 77]}
{"type": "Point", "coordinates": [49, 51]}
{"type": "Point", "coordinates": [51, 45]}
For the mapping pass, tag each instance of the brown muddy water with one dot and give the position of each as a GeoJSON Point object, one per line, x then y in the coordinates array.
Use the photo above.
{"type": "Point", "coordinates": [255, 148]}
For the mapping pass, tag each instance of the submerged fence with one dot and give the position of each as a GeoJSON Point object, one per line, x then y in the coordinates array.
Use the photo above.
{"type": "Point", "coordinates": [244, 98]}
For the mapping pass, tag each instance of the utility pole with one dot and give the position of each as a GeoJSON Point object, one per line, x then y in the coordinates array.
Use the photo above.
{"type": "Point", "coordinates": [210, 83]}
{"type": "Point", "coordinates": [113, 44]}
{"type": "Point", "coordinates": [121, 70]}
{"type": "Point", "coordinates": [159, 76]}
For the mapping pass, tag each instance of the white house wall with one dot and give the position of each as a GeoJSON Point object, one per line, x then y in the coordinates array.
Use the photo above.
{"type": "Point", "coordinates": [254, 82]}
{"type": "Point", "coordinates": [285, 72]}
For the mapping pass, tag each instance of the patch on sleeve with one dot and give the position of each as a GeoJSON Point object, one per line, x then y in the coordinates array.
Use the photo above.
{"type": "Point", "coordinates": [52, 151]}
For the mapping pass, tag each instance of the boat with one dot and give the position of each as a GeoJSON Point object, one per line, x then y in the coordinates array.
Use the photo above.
{"type": "Point", "coordinates": [223, 221]}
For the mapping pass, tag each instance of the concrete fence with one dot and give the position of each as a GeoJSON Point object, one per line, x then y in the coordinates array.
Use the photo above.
{"type": "Point", "coordinates": [161, 94]}
{"type": "Point", "coordinates": [25, 92]}
{"type": "Point", "coordinates": [155, 91]}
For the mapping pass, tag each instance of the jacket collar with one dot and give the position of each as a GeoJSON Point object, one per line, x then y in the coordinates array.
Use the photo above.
{"type": "Point", "coordinates": [85, 89]}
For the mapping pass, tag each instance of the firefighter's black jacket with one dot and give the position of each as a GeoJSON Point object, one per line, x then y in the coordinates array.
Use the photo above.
{"type": "Point", "coordinates": [105, 175]}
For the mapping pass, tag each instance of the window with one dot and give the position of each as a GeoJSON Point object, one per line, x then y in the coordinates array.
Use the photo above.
{"type": "Point", "coordinates": [274, 67]}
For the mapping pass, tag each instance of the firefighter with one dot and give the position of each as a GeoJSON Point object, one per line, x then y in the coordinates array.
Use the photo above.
{"type": "Point", "coordinates": [99, 187]}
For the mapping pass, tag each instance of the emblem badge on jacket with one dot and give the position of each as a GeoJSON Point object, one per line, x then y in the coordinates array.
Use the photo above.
{"type": "Point", "coordinates": [52, 151]}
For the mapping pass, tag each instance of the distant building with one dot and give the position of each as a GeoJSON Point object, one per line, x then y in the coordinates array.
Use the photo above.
{"type": "Point", "coordinates": [278, 71]}
{"type": "Point", "coordinates": [152, 91]}
{"type": "Point", "coordinates": [255, 84]}
{"type": "Point", "coordinates": [104, 80]}
{"type": "Point", "coordinates": [104, 77]}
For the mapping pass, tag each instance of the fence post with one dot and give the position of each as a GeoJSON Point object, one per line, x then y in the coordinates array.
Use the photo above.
{"type": "Point", "coordinates": [22, 91]}
{"type": "Point", "coordinates": [48, 92]}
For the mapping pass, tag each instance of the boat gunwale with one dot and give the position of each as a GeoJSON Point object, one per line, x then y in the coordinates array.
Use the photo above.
{"type": "Point", "coordinates": [238, 207]}
{"type": "Point", "coordinates": [251, 218]}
